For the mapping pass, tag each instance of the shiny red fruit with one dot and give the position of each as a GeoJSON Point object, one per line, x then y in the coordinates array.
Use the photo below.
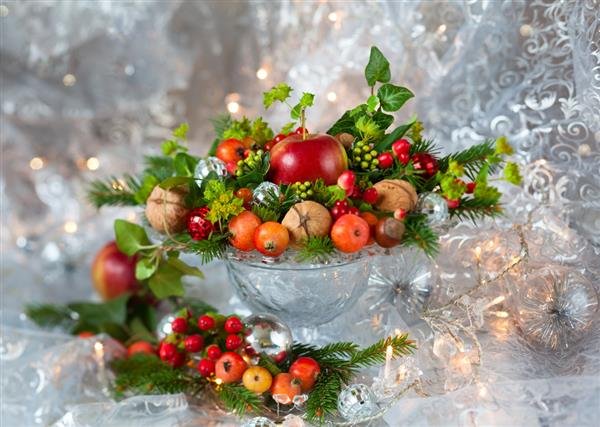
{"type": "Point", "coordinates": [113, 272]}
{"type": "Point", "coordinates": [230, 367]}
{"type": "Point", "coordinates": [167, 351]}
{"type": "Point", "coordinates": [341, 203]}
{"type": "Point", "coordinates": [206, 322]}
{"type": "Point", "coordinates": [269, 145]}
{"type": "Point", "coordinates": [346, 181]}
{"type": "Point", "coordinates": [370, 195]}
{"type": "Point", "coordinates": [230, 150]}
{"type": "Point", "coordinates": [213, 352]}
{"type": "Point", "coordinates": [338, 211]}
{"type": "Point", "coordinates": [425, 162]}
{"type": "Point", "coordinates": [356, 193]}
{"type": "Point", "coordinates": [317, 156]}
{"type": "Point", "coordinates": [471, 187]}
{"type": "Point", "coordinates": [399, 214]}
{"type": "Point", "coordinates": [402, 146]}
{"type": "Point", "coordinates": [177, 360]}
{"type": "Point", "coordinates": [453, 203]}
{"type": "Point", "coordinates": [179, 325]}
{"type": "Point", "coordinates": [233, 342]}
{"type": "Point", "coordinates": [197, 224]}
{"type": "Point", "coordinates": [206, 367]}
{"type": "Point", "coordinates": [385, 160]}
{"type": "Point", "coordinates": [231, 167]}
{"type": "Point", "coordinates": [354, 211]}
{"type": "Point", "coordinates": [305, 369]}
{"type": "Point", "coordinates": [233, 325]}
{"type": "Point", "coordinates": [404, 158]}
{"type": "Point", "coordinates": [194, 343]}
{"type": "Point", "coordinates": [300, 129]}
{"type": "Point", "coordinates": [280, 137]}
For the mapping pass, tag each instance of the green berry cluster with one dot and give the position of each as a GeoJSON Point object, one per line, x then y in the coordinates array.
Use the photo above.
{"type": "Point", "coordinates": [364, 156]}
{"type": "Point", "coordinates": [250, 163]}
{"type": "Point", "coordinates": [303, 190]}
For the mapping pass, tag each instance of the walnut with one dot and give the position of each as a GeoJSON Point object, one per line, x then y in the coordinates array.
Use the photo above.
{"type": "Point", "coordinates": [307, 219]}
{"type": "Point", "coordinates": [389, 232]}
{"type": "Point", "coordinates": [166, 211]}
{"type": "Point", "coordinates": [395, 193]}
{"type": "Point", "coordinates": [345, 139]}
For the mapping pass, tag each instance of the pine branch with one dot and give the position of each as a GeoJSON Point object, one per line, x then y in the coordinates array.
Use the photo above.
{"type": "Point", "coordinates": [239, 399]}
{"type": "Point", "coordinates": [472, 158]}
{"type": "Point", "coordinates": [264, 213]}
{"type": "Point", "coordinates": [220, 123]}
{"type": "Point", "coordinates": [419, 233]}
{"type": "Point", "coordinates": [113, 192]}
{"type": "Point", "coordinates": [212, 247]}
{"type": "Point", "coordinates": [336, 349]}
{"type": "Point", "coordinates": [424, 146]}
{"type": "Point", "coordinates": [476, 209]}
{"type": "Point", "coordinates": [316, 249]}
{"type": "Point", "coordinates": [375, 354]}
{"type": "Point", "coordinates": [322, 400]}
{"type": "Point", "coordinates": [268, 363]}
{"type": "Point", "coordinates": [161, 167]}
{"type": "Point", "coordinates": [147, 374]}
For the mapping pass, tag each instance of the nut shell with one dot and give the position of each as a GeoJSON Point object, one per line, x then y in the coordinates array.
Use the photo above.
{"type": "Point", "coordinates": [166, 211]}
{"type": "Point", "coordinates": [389, 232]}
{"type": "Point", "coordinates": [395, 194]}
{"type": "Point", "coordinates": [307, 219]}
{"type": "Point", "coordinates": [345, 139]}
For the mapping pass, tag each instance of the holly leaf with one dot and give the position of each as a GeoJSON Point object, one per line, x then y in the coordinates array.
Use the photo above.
{"type": "Point", "coordinates": [378, 68]}
{"type": "Point", "coordinates": [184, 268]}
{"type": "Point", "coordinates": [393, 97]}
{"type": "Point", "coordinates": [166, 281]}
{"type": "Point", "coordinates": [280, 93]}
{"type": "Point", "coordinates": [372, 103]}
{"type": "Point", "coordinates": [130, 237]}
{"type": "Point", "coordinates": [144, 268]}
{"type": "Point", "coordinates": [306, 100]}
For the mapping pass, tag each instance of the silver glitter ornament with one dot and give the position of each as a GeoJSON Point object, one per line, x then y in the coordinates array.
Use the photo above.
{"type": "Point", "coordinates": [208, 165]}
{"type": "Point", "coordinates": [269, 335]}
{"type": "Point", "coordinates": [555, 306]}
{"type": "Point", "coordinates": [259, 422]}
{"type": "Point", "coordinates": [265, 190]}
{"type": "Point", "coordinates": [163, 328]}
{"type": "Point", "coordinates": [434, 206]}
{"type": "Point", "coordinates": [356, 402]}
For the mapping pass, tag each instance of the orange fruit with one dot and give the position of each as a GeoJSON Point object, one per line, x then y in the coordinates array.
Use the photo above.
{"type": "Point", "coordinates": [230, 150]}
{"type": "Point", "coordinates": [350, 233]}
{"type": "Point", "coordinates": [242, 228]}
{"type": "Point", "coordinates": [286, 385]}
{"type": "Point", "coordinates": [140, 347]}
{"type": "Point", "coordinates": [372, 221]}
{"type": "Point", "coordinates": [271, 238]}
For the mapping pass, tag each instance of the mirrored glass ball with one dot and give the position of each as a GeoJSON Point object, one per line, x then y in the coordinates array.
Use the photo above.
{"type": "Point", "coordinates": [264, 191]}
{"type": "Point", "coordinates": [269, 335]}
{"type": "Point", "coordinates": [208, 165]}
{"type": "Point", "coordinates": [356, 401]}
{"type": "Point", "coordinates": [435, 207]}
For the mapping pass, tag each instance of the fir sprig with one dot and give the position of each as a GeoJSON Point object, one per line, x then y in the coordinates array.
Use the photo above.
{"type": "Point", "coordinates": [477, 208]}
{"type": "Point", "coordinates": [323, 398]}
{"type": "Point", "coordinates": [238, 399]}
{"type": "Point", "coordinates": [268, 363]}
{"type": "Point", "coordinates": [316, 249]}
{"type": "Point", "coordinates": [210, 248]}
{"type": "Point", "coordinates": [419, 233]}
{"type": "Point", "coordinates": [114, 191]}
{"type": "Point", "coordinates": [472, 158]}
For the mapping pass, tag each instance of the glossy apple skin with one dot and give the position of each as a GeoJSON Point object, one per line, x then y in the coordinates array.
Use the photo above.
{"type": "Point", "coordinates": [318, 156]}
{"type": "Point", "coordinates": [113, 272]}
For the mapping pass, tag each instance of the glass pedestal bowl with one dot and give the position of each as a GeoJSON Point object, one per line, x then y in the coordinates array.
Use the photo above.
{"type": "Point", "coordinates": [301, 294]}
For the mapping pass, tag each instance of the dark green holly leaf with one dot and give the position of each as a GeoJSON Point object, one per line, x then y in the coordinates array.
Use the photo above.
{"type": "Point", "coordinates": [280, 93]}
{"type": "Point", "coordinates": [378, 68]}
{"type": "Point", "coordinates": [396, 134]}
{"type": "Point", "coordinates": [383, 120]}
{"type": "Point", "coordinates": [166, 282]}
{"type": "Point", "coordinates": [130, 237]}
{"type": "Point", "coordinates": [393, 97]}
{"type": "Point", "coordinates": [144, 268]}
{"type": "Point", "coordinates": [185, 269]}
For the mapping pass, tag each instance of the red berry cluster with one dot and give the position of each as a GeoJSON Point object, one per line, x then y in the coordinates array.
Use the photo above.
{"type": "Point", "coordinates": [191, 335]}
{"type": "Point", "coordinates": [423, 162]}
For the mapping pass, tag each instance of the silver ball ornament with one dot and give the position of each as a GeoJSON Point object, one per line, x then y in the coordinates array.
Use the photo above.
{"type": "Point", "coordinates": [267, 334]}
{"type": "Point", "coordinates": [356, 401]}
{"type": "Point", "coordinates": [434, 207]}
{"type": "Point", "coordinates": [208, 165]}
{"type": "Point", "coordinates": [264, 191]}
{"type": "Point", "coordinates": [163, 328]}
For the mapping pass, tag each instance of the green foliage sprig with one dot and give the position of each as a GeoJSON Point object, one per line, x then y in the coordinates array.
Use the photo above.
{"type": "Point", "coordinates": [315, 249]}
{"type": "Point", "coordinates": [114, 192]}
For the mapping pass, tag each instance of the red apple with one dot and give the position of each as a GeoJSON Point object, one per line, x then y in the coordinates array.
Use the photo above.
{"type": "Point", "coordinates": [318, 156]}
{"type": "Point", "coordinates": [113, 272]}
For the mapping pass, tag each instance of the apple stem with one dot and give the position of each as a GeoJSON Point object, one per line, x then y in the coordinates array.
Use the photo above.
{"type": "Point", "coordinates": [302, 122]}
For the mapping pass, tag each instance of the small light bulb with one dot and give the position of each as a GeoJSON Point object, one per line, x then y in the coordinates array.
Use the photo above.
{"type": "Point", "coordinates": [331, 96]}
{"type": "Point", "coordinates": [69, 80]}
{"type": "Point", "coordinates": [262, 74]}
{"type": "Point", "coordinates": [233, 107]}
{"type": "Point", "coordinates": [92, 163]}
{"type": "Point", "coordinates": [70, 227]}
{"type": "Point", "coordinates": [332, 16]}
{"type": "Point", "coordinates": [36, 163]}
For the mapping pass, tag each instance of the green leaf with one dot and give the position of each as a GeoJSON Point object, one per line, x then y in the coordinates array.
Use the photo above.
{"type": "Point", "coordinates": [47, 315]}
{"type": "Point", "coordinates": [306, 100]}
{"type": "Point", "coordinates": [368, 129]}
{"type": "Point", "coordinates": [166, 282]}
{"type": "Point", "coordinates": [372, 103]}
{"type": "Point", "coordinates": [130, 237]}
{"type": "Point", "coordinates": [144, 268]}
{"type": "Point", "coordinates": [139, 331]}
{"type": "Point", "coordinates": [396, 134]}
{"type": "Point", "coordinates": [113, 311]}
{"type": "Point", "coordinates": [175, 181]}
{"type": "Point", "coordinates": [378, 68]}
{"type": "Point", "coordinates": [383, 120]}
{"type": "Point", "coordinates": [148, 184]}
{"type": "Point", "coordinates": [393, 97]}
{"type": "Point", "coordinates": [280, 93]}
{"type": "Point", "coordinates": [185, 269]}
{"type": "Point", "coordinates": [287, 128]}
{"type": "Point", "coordinates": [345, 124]}
{"type": "Point", "coordinates": [181, 131]}
{"type": "Point", "coordinates": [185, 164]}
{"type": "Point", "coordinates": [169, 147]}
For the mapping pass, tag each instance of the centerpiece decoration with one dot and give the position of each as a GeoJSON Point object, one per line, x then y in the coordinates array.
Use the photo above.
{"type": "Point", "coordinates": [292, 210]}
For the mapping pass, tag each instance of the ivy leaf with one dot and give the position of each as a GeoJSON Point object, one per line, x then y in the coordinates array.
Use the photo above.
{"type": "Point", "coordinates": [396, 134]}
{"type": "Point", "coordinates": [185, 164]}
{"type": "Point", "coordinates": [287, 128]}
{"type": "Point", "coordinates": [306, 100]}
{"type": "Point", "coordinates": [166, 282]}
{"type": "Point", "coordinates": [393, 97]}
{"type": "Point", "coordinates": [185, 269]}
{"type": "Point", "coordinates": [130, 237]}
{"type": "Point", "coordinates": [280, 93]}
{"type": "Point", "coordinates": [383, 120]}
{"type": "Point", "coordinates": [372, 103]}
{"type": "Point", "coordinates": [378, 68]}
{"type": "Point", "coordinates": [144, 268]}
{"type": "Point", "coordinates": [345, 124]}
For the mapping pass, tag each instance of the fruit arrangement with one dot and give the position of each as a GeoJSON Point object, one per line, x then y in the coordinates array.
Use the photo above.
{"type": "Point", "coordinates": [245, 368]}
{"type": "Point", "coordinates": [300, 194]}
